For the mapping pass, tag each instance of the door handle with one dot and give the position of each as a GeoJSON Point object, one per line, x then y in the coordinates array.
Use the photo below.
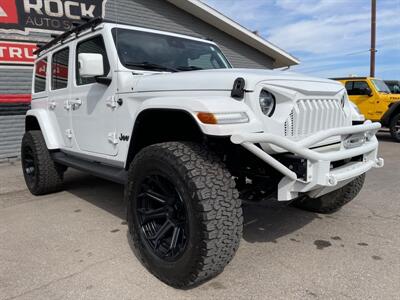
{"type": "Point", "coordinates": [76, 103]}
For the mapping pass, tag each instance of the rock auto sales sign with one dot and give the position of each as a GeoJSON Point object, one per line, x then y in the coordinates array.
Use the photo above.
{"type": "Point", "coordinates": [46, 15]}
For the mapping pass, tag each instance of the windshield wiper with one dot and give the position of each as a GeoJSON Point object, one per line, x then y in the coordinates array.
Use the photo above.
{"type": "Point", "coordinates": [189, 68]}
{"type": "Point", "coordinates": [150, 66]}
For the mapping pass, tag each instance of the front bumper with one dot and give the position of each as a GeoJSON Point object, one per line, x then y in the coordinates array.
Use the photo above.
{"type": "Point", "coordinates": [321, 177]}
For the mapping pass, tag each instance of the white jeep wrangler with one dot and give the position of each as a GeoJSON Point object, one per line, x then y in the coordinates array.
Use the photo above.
{"type": "Point", "coordinates": [189, 137]}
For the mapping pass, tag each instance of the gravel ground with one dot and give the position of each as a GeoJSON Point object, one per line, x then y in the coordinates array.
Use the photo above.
{"type": "Point", "coordinates": [74, 245]}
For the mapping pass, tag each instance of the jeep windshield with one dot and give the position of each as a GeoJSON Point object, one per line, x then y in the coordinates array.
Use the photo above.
{"type": "Point", "coordinates": [381, 86]}
{"type": "Point", "coordinates": [158, 52]}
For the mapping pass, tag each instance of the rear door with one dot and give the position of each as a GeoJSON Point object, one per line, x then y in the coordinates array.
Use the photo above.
{"type": "Point", "coordinates": [60, 88]}
{"type": "Point", "coordinates": [357, 93]}
{"type": "Point", "coordinates": [93, 118]}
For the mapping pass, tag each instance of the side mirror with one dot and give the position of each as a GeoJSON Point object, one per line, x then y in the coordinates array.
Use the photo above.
{"type": "Point", "coordinates": [90, 65]}
{"type": "Point", "coordinates": [368, 92]}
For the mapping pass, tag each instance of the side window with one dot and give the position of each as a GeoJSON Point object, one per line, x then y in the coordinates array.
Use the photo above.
{"type": "Point", "coordinates": [359, 87]}
{"type": "Point", "coordinates": [59, 69]}
{"type": "Point", "coordinates": [349, 87]}
{"type": "Point", "coordinates": [40, 75]}
{"type": "Point", "coordinates": [93, 45]}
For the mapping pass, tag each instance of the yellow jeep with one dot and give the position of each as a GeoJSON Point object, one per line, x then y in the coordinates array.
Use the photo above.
{"type": "Point", "coordinates": [375, 101]}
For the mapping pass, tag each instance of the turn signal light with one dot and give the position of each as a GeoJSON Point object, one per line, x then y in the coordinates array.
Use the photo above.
{"type": "Point", "coordinates": [207, 118]}
{"type": "Point", "coordinates": [223, 118]}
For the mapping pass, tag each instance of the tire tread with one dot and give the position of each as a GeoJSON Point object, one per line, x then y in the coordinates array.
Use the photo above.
{"type": "Point", "coordinates": [333, 201]}
{"type": "Point", "coordinates": [218, 206]}
{"type": "Point", "coordinates": [50, 175]}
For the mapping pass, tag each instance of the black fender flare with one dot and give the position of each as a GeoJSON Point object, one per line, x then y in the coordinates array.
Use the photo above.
{"type": "Point", "coordinates": [133, 144]}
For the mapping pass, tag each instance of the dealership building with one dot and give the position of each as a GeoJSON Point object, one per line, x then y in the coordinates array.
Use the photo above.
{"type": "Point", "coordinates": [26, 23]}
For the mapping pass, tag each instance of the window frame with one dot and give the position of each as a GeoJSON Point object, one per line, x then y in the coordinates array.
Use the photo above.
{"type": "Point", "coordinates": [51, 68]}
{"type": "Point", "coordinates": [76, 58]}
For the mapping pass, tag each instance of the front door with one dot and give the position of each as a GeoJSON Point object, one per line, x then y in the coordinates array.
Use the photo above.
{"type": "Point", "coordinates": [92, 109]}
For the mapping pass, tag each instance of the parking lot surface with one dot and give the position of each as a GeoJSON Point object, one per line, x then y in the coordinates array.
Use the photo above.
{"type": "Point", "coordinates": [74, 245]}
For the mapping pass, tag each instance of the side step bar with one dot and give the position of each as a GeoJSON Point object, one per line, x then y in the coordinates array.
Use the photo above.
{"type": "Point", "coordinates": [114, 174]}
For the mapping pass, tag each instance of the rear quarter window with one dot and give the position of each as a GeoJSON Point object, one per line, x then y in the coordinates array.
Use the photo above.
{"type": "Point", "coordinates": [40, 76]}
{"type": "Point", "coordinates": [59, 69]}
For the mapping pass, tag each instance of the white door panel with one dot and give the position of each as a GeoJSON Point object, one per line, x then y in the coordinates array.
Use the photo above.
{"type": "Point", "coordinates": [93, 120]}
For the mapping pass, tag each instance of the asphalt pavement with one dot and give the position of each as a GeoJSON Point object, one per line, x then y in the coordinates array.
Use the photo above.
{"type": "Point", "coordinates": [74, 245]}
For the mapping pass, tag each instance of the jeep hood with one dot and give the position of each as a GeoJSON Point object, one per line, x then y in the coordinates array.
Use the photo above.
{"type": "Point", "coordinates": [223, 79]}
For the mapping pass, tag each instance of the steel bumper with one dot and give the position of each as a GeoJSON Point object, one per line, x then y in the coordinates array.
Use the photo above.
{"type": "Point", "coordinates": [321, 178]}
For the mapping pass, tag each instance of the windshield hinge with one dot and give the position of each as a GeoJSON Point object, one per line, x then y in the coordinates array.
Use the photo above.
{"type": "Point", "coordinates": [111, 102]}
{"type": "Point", "coordinates": [112, 138]}
{"type": "Point", "coordinates": [238, 89]}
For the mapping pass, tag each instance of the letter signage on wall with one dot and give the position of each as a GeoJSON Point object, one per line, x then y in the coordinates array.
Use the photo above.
{"type": "Point", "coordinates": [17, 53]}
{"type": "Point", "coordinates": [46, 15]}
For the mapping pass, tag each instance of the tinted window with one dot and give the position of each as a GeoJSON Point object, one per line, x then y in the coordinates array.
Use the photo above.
{"type": "Point", "coordinates": [380, 86]}
{"type": "Point", "coordinates": [59, 69]}
{"type": "Point", "coordinates": [356, 87]}
{"type": "Point", "coordinates": [141, 48]}
{"type": "Point", "coordinates": [94, 45]}
{"type": "Point", "coordinates": [40, 75]}
{"type": "Point", "coordinates": [394, 87]}
{"type": "Point", "coordinates": [205, 61]}
{"type": "Point", "coordinates": [349, 87]}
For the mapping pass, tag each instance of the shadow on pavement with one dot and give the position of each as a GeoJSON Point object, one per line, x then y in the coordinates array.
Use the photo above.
{"type": "Point", "coordinates": [104, 194]}
{"type": "Point", "coordinates": [264, 221]}
{"type": "Point", "coordinates": [268, 220]}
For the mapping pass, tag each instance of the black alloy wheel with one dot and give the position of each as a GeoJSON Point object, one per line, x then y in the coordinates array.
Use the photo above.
{"type": "Point", "coordinates": [28, 165]}
{"type": "Point", "coordinates": [162, 217]}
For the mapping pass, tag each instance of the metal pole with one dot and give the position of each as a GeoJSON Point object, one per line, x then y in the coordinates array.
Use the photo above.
{"type": "Point", "coordinates": [373, 38]}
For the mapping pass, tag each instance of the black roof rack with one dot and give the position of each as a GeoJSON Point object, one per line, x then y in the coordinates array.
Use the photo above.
{"type": "Point", "coordinates": [90, 23]}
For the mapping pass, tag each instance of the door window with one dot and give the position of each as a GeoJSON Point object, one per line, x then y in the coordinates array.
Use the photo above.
{"type": "Point", "coordinates": [40, 75]}
{"type": "Point", "coordinates": [93, 45]}
{"type": "Point", "coordinates": [59, 69]}
{"type": "Point", "coordinates": [356, 87]}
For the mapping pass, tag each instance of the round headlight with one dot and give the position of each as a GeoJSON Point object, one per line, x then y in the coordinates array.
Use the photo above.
{"type": "Point", "coordinates": [267, 103]}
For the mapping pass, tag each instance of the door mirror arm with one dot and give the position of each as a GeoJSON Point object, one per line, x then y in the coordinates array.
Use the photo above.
{"type": "Point", "coordinates": [103, 80]}
{"type": "Point", "coordinates": [368, 92]}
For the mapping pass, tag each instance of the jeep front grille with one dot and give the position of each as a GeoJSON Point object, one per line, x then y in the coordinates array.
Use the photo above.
{"type": "Point", "coordinates": [311, 115]}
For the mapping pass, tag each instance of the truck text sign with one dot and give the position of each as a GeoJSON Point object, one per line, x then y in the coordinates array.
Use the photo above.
{"type": "Point", "coordinates": [20, 53]}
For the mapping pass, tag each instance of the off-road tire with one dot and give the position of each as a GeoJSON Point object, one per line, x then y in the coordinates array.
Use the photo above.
{"type": "Point", "coordinates": [333, 201]}
{"type": "Point", "coordinates": [395, 133]}
{"type": "Point", "coordinates": [213, 207]}
{"type": "Point", "coordinates": [48, 177]}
